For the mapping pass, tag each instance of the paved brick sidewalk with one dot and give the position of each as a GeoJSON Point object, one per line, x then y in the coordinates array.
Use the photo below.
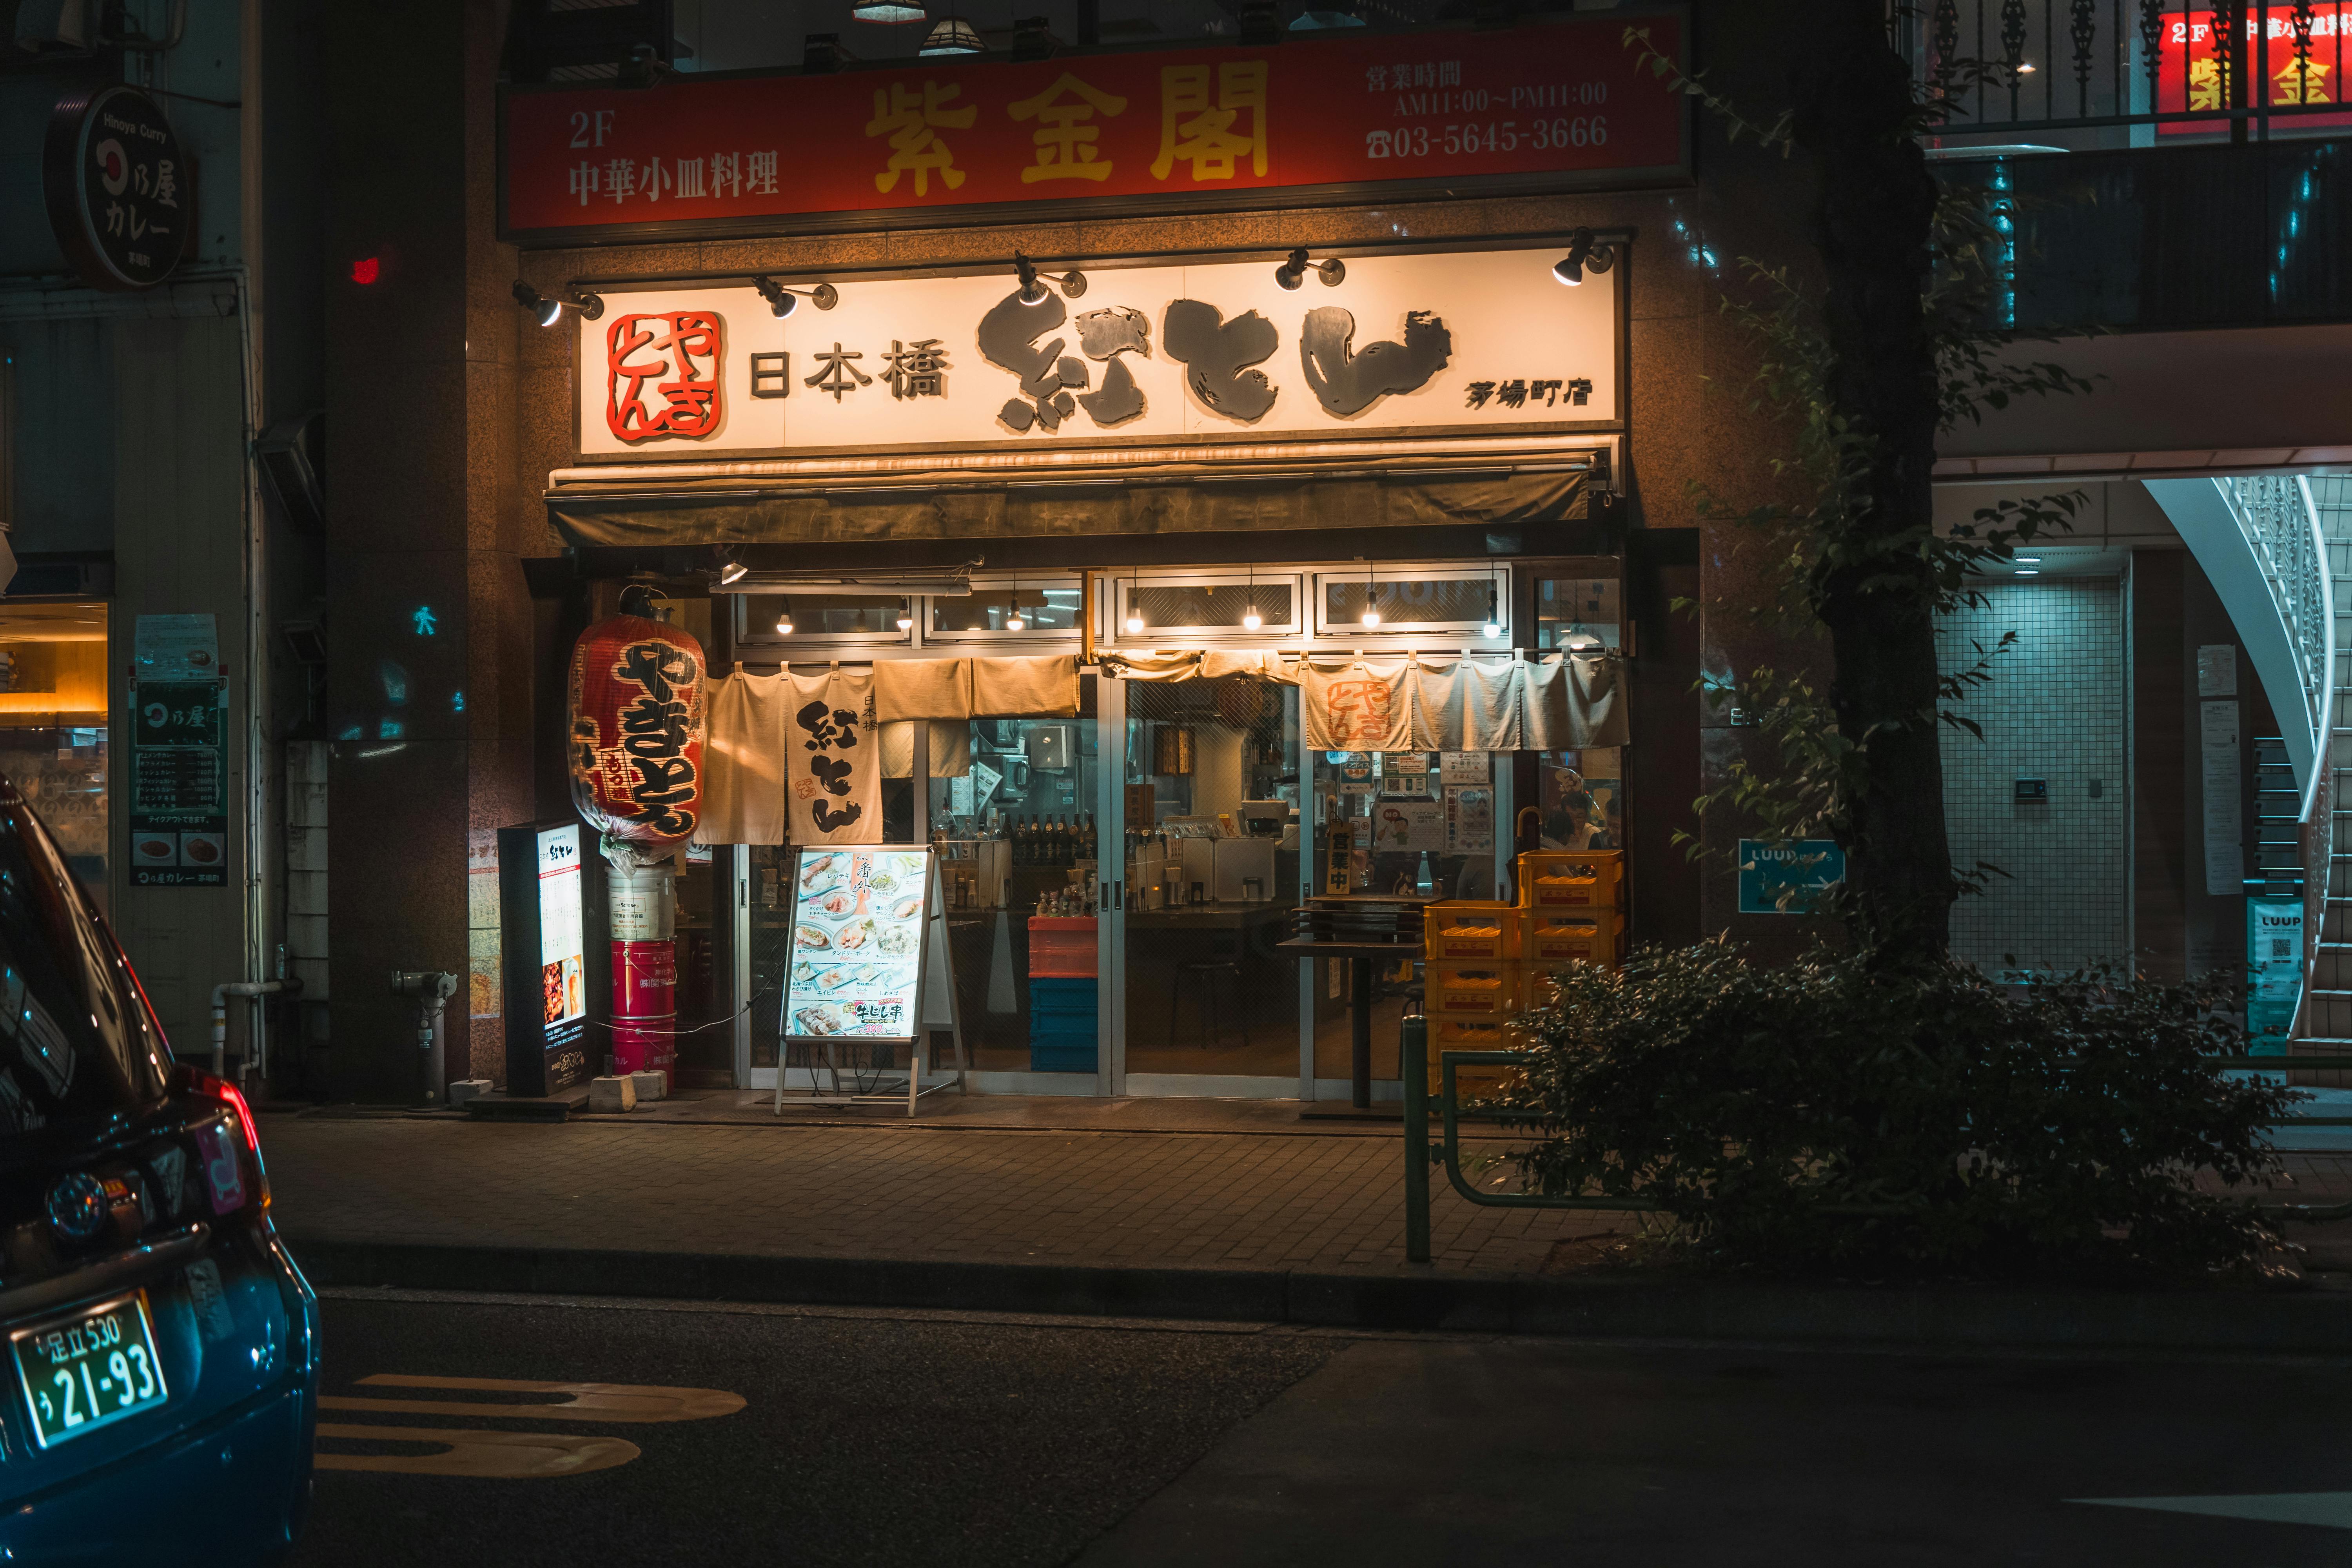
{"type": "Point", "coordinates": [1192, 1200]}
{"type": "Point", "coordinates": [1263, 1195]}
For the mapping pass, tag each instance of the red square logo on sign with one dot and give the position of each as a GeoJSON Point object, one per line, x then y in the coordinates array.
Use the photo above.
{"type": "Point", "coordinates": [663, 376]}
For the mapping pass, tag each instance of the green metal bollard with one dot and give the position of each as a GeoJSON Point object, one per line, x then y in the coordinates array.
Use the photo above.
{"type": "Point", "coordinates": [1412, 1051]}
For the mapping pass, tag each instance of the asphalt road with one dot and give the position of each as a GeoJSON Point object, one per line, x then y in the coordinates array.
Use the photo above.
{"type": "Point", "coordinates": [936, 1438]}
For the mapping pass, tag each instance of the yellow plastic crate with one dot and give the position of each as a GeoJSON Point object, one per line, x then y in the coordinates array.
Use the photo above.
{"type": "Point", "coordinates": [1572, 879]}
{"type": "Point", "coordinates": [1476, 990]}
{"type": "Point", "coordinates": [1465, 931]}
{"type": "Point", "coordinates": [1458, 1035]}
{"type": "Point", "coordinates": [1570, 935]}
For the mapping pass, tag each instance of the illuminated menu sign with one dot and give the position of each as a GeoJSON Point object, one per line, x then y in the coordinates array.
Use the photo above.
{"type": "Point", "coordinates": [544, 938]}
{"type": "Point", "coordinates": [857, 943]}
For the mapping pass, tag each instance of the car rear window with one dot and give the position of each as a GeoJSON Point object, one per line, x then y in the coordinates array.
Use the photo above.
{"type": "Point", "coordinates": [76, 1043]}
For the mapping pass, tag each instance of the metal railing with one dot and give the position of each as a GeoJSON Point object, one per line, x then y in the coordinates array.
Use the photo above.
{"type": "Point", "coordinates": [2282, 528]}
{"type": "Point", "coordinates": [1412, 1053]}
{"type": "Point", "coordinates": [2246, 70]}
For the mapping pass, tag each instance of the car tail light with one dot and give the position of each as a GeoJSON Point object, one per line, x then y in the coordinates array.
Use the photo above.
{"type": "Point", "coordinates": [228, 1149]}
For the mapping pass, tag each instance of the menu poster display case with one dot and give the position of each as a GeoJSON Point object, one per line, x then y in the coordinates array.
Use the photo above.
{"type": "Point", "coordinates": [869, 964]}
{"type": "Point", "coordinates": [543, 938]}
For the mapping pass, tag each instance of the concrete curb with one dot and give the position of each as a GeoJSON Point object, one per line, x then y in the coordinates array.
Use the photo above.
{"type": "Point", "coordinates": [2219, 1320]}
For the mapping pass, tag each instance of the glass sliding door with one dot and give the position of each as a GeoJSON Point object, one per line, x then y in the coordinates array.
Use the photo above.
{"type": "Point", "coordinates": [1211, 873]}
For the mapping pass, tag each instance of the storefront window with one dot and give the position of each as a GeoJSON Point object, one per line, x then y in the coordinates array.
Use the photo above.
{"type": "Point", "coordinates": [1418, 825]}
{"type": "Point", "coordinates": [1451, 603]}
{"type": "Point", "coordinates": [1159, 606]}
{"type": "Point", "coordinates": [1211, 877]}
{"type": "Point", "coordinates": [1020, 853]}
{"type": "Point", "coordinates": [1583, 795]}
{"type": "Point", "coordinates": [767, 619]}
{"type": "Point", "coordinates": [1042, 608]}
{"type": "Point", "coordinates": [1573, 612]}
{"type": "Point", "coordinates": [53, 725]}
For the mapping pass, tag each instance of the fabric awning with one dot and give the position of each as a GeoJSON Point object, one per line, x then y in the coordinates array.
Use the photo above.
{"type": "Point", "coordinates": [767, 504]}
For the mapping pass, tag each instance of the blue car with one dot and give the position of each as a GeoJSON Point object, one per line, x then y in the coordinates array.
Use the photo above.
{"type": "Point", "coordinates": [159, 1350]}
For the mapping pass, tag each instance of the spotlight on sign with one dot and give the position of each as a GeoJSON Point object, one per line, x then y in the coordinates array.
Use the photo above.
{"type": "Point", "coordinates": [782, 302]}
{"type": "Point", "coordinates": [1033, 282]}
{"type": "Point", "coordinates": [1293, 272]}
{"type": "Point", "coordinates": [548, 310]}
{"type": "Point", "coordinates": [1583, 255]}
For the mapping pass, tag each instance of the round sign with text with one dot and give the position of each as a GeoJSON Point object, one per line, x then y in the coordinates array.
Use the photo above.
{"type": "Point", "coordinates": [117, 187]}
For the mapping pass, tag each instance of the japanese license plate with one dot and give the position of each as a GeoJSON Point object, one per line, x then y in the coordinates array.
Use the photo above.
{"type": "Point", "coordinates": [96, 1366]}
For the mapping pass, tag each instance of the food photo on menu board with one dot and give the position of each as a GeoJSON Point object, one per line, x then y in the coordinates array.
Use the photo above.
{"type": "Point", "coordinates": [857, 942]}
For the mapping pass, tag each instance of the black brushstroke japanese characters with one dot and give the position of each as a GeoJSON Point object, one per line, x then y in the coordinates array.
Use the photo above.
{"type": "Point", "coordinates": [1103, 336]}
{"type": "Point", "coordinates": [1008, 340]}
{"type": "Point", "coordinates": [1218, 353]}
{"type": "Point", "coordinates": [1346, 383]}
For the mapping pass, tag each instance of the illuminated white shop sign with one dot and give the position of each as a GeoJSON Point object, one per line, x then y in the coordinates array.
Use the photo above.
{"type": "Point", "coordinates": [1452, 343]}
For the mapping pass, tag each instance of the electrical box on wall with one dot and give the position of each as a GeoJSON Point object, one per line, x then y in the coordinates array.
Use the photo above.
{"type": "Point", "coordinates": [2033, 789]}
{"type": "Point", "coordinates": [1052, 747]}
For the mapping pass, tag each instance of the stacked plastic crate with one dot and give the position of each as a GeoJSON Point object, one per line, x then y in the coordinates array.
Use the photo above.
{"type": "Point", "coordinates": [1484, 964]}
{"type": "Point", "coordinates": [1062, 994]}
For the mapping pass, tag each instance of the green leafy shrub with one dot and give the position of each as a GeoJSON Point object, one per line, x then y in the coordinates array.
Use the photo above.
{"type": "Point", "coordinates": [1854, 1115]}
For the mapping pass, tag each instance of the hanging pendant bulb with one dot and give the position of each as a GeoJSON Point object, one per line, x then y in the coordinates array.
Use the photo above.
{"type": "Point", "coordinates": [784, 620]}
{"type": "Point", "coordinates": [905, 616]}
{"type": "Point", "coordinates": [1251, 620]}
{"type": "Point", "coordinates": [893, 13]}
{"type": "Point", "coordinates": [1494, 627]}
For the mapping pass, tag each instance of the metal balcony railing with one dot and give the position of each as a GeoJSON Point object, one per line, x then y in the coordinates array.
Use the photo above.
{"type": "Point", "coordinates": [2139, 70]}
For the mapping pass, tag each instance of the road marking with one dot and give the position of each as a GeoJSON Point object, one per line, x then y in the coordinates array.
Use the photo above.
{"type": "Point", "coordinates": [497, 1456]}
{"type": "Point", "coordinates": [2333, 1510]}
{"type": "Point", "coordinates": [598, 1401]}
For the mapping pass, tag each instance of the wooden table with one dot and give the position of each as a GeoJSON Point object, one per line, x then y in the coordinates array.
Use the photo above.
{"type": "Point", "coordinates": [1363, 956]}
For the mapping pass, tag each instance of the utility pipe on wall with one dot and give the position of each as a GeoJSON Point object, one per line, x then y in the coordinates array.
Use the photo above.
{"type": "Point", "coordinates": [253, 990]}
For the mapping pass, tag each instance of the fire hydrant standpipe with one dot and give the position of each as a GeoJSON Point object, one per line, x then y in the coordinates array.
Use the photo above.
{"type": "Point", "coordinates": [432, 988]}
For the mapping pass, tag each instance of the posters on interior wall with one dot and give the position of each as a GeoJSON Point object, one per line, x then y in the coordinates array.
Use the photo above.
{"type": "Point", "coordinates": [1409, 826]}
{"type": "Point", "coordinates": [2274, 971]}
{"type": "Point", "coordinates": [2225, 849]}
{"type": "Point", "coordinates": [1470, 818]}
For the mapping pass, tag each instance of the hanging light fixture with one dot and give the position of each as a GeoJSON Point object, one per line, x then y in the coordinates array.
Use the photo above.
{"type": "Point", "coordinates": [951, 36]}
{"type": "Point", "coordinates": [1014, 622]}
{"type": "Point", "coordinates": [1494, 627]}
{"type": "Point", "coordinates": [906, 615]}
{"type": "Point", "coordinates": [1134, 610]}
{"type": "Point", "coordinates": [1251, 620]}
{"type": "Point", "coordinates": [1372, 595]}
{"type": "Point", "coordinates": [890, 13]}
{"type": "Point", "coordinates": [784, 620]}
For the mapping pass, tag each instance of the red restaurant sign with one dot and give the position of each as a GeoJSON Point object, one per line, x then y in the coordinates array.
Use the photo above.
{"type": "Point", "coordinates": [2193, 70]}
{"type": "Point", "coordinates": [1542, 105]}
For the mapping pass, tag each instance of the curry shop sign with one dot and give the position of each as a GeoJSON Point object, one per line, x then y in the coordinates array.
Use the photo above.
{"type": "Point", "coordinates": [1452, 343]}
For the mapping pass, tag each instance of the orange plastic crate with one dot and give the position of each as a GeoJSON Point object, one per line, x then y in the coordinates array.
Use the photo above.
{"type": "Point", "coordinates": [1061, 947]}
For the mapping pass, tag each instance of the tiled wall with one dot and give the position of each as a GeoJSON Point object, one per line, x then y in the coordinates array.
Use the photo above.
{"type": "Point", "coordinates": [2056, 709]}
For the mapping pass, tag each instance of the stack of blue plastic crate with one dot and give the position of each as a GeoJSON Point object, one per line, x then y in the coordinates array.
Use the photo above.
{"type": "Point", "coordinates": [1062, 1025]}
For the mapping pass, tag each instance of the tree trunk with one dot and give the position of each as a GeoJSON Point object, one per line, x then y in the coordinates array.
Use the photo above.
{"type": "Point", "coordinates": [1852, 114]}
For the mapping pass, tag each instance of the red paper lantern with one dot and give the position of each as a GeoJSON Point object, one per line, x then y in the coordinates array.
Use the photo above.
{"type": "Point", "coordinates": [637, 731]}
